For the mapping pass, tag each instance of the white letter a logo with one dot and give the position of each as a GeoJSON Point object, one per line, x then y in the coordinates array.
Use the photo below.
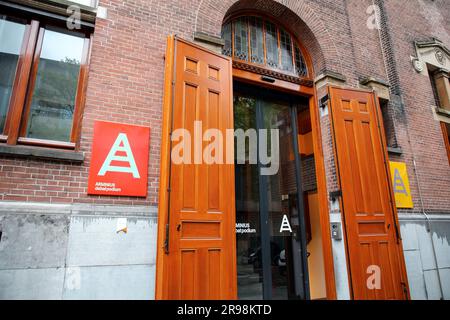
{"type": "Point", "coordinates": [285, 226]}
{"type": "Point", "coordinates": [121, 144]}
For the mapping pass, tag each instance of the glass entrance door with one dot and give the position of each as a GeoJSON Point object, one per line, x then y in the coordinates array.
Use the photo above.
{"type": "Point", "coordinates": [271, 259]}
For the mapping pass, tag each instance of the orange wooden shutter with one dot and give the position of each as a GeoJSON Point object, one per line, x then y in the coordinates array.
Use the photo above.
{"type": "Point", "coordinates": [369, 212]}
{"type": "Point", "coordinates": [201, 257]}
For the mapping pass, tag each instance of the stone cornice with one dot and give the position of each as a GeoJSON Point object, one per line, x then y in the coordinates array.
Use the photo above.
{"type": "Point", "coordinates": [274, 74]}
{"type": "Point", "coordinates": [435, 43]}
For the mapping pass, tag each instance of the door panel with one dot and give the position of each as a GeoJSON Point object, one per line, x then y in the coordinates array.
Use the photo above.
{"type": "Point", "coordinates": [369, 213]}
{"type": "Point", "coordinates": [283, 194]}
{"type": "Point", "coordinates": [201, 252]}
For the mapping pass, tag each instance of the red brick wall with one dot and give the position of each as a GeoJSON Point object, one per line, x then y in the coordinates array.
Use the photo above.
{"type": "Point", "coordinates": [418, 134]}
{"type": "Point", "coordinates": [127, 70]}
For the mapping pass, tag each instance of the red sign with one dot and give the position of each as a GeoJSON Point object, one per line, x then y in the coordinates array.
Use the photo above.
{"type": "Point", "coordinates": [119, 161]}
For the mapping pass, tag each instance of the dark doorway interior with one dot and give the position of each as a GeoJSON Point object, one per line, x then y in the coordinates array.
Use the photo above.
{"type": "Point", "coordinates": [272, 233]}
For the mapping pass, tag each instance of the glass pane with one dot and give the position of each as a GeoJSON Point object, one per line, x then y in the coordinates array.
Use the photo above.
{"type": "Point", "coordinates": [226, 36]}
{"type": "Point", "coordinates": [286, 51]}
{"type": "Point", "coordinates": [256, 40]}
{"type": "Point", "coordinates": [286, 255]}
{"type": "Point", "coordinates": [448, 130]}
{"type": "Point", "coordinates": [248, 236]}
{"type": "Point", "coordinates": [89, 3]}
{"type": "Point", "coordinates": [448, 134]}
{"type": "Point", "coordinates": [55, 89]}
{"type": "Point", "coordinates": [241, 39]}
{"type": "Point", "coordinates": [300, 65]}
{"type": "Point", "coordinates": [271, 45]}
{"type": "Point", "coordinates": [11, 37]}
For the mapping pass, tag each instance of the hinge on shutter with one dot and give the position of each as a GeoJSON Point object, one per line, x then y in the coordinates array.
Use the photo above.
{"type": "Point", "coordinates": [397, 233]}
{"type": "Point", "coordinates": [166, 240]}
{"type": "Point", "coordinates": [405, 289]}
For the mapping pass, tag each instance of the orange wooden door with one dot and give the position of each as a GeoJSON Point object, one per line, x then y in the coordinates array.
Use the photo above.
{"type": "Point", "coordinates": [201, 248]}
{"type": "Point", "coordinates": [369, 213]}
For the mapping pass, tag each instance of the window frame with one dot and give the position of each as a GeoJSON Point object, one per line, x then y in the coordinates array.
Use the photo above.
{"type": "Point", "coordinates": [446, 134]}
{"type": "Point", "coordinates": [14, 132]}
{"type": "Point", "coordinates": [278, 26]}
{"type": "Point", "coordinates": [441, 97]}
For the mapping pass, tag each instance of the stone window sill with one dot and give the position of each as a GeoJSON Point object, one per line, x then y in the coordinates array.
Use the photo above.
{"type": "Point", "coordinates": [443, 112]}
{"type": "Point", "coordinates": [42, 153]}
{"type": "Point", "coordinates": [395, 150]}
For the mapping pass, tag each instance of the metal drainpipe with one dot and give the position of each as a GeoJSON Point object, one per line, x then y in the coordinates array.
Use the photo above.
{"type": "Point", "coordinates": [428, 223]}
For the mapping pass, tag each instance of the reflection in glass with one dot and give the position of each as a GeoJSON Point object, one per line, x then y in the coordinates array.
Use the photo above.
{"type": "Point", "coordinates": [448, 130]}
{"type": "Point", "coordinates": [53, 100]}
{"type": "Point", "coordinates": [300, 65]}
{"type": "Point", "coordinates": [248, 234]}
{"type": "Point", "coordinates": [11, 37]}
{"type": "Point", "coordinates": [226, 36]}
{"type": "Point", "coordinates": [448, 134]}
{"type": "Point", "coordinates": [256, 40]}
{"type": "Point", "coordinates": [271, 199]}
{"type": "Point", "coordinates": [286, 51]}
{"type": "Point", "coordinates": [240, 39]}
{"type": "Point", "coordinates": [271, 45]}
{"type": "Point", "coordinates": [286, 255]}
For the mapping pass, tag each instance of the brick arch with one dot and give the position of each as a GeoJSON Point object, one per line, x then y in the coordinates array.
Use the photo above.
{"type": "Point", "coordinates": [296, 14]}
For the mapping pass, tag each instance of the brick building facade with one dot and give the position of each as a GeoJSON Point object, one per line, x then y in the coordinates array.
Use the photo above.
{"type": "Point", "coordinates": [59, 242]}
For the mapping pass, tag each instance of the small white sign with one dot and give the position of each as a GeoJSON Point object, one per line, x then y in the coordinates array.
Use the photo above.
{"type": "Point", "coordinates": [121, 225]}
{"type": "Point", "coordinates": [244, 228]}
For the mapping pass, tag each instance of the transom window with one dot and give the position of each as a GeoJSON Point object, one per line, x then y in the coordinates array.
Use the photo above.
{"type": "Point", "coordinates": [256, 40]}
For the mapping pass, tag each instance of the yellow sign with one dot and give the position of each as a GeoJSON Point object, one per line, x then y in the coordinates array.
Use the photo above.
{"type": "Point", "coordinates": [402, 192]}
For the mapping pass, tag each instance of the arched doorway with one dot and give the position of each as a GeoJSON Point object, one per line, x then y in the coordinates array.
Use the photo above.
{"type": "Point", "coordinates": [202, 252]}
{"type": "Point", "coordinates": [255, 245]}
{"type": "Point", "coordinates": [279, 242]}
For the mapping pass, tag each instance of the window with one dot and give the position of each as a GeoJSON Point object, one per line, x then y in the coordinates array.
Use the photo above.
{"type": "Point", "coordinates": [11, 35]}
{"type": "Point", "coordinates": [44, 69]}
{"type": "Point", "coordinates": [240, 39]}
{"type": "Point", "coordinates": [287, 63]}
{"type": "Point", "coordinates": [441, 90]}
{"type": "Point", "coordinates": [271, 45]}
{"type": "Point", "coordinates": [256, 40]}
{"type": "Point", "coordinates": [446, 131]}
